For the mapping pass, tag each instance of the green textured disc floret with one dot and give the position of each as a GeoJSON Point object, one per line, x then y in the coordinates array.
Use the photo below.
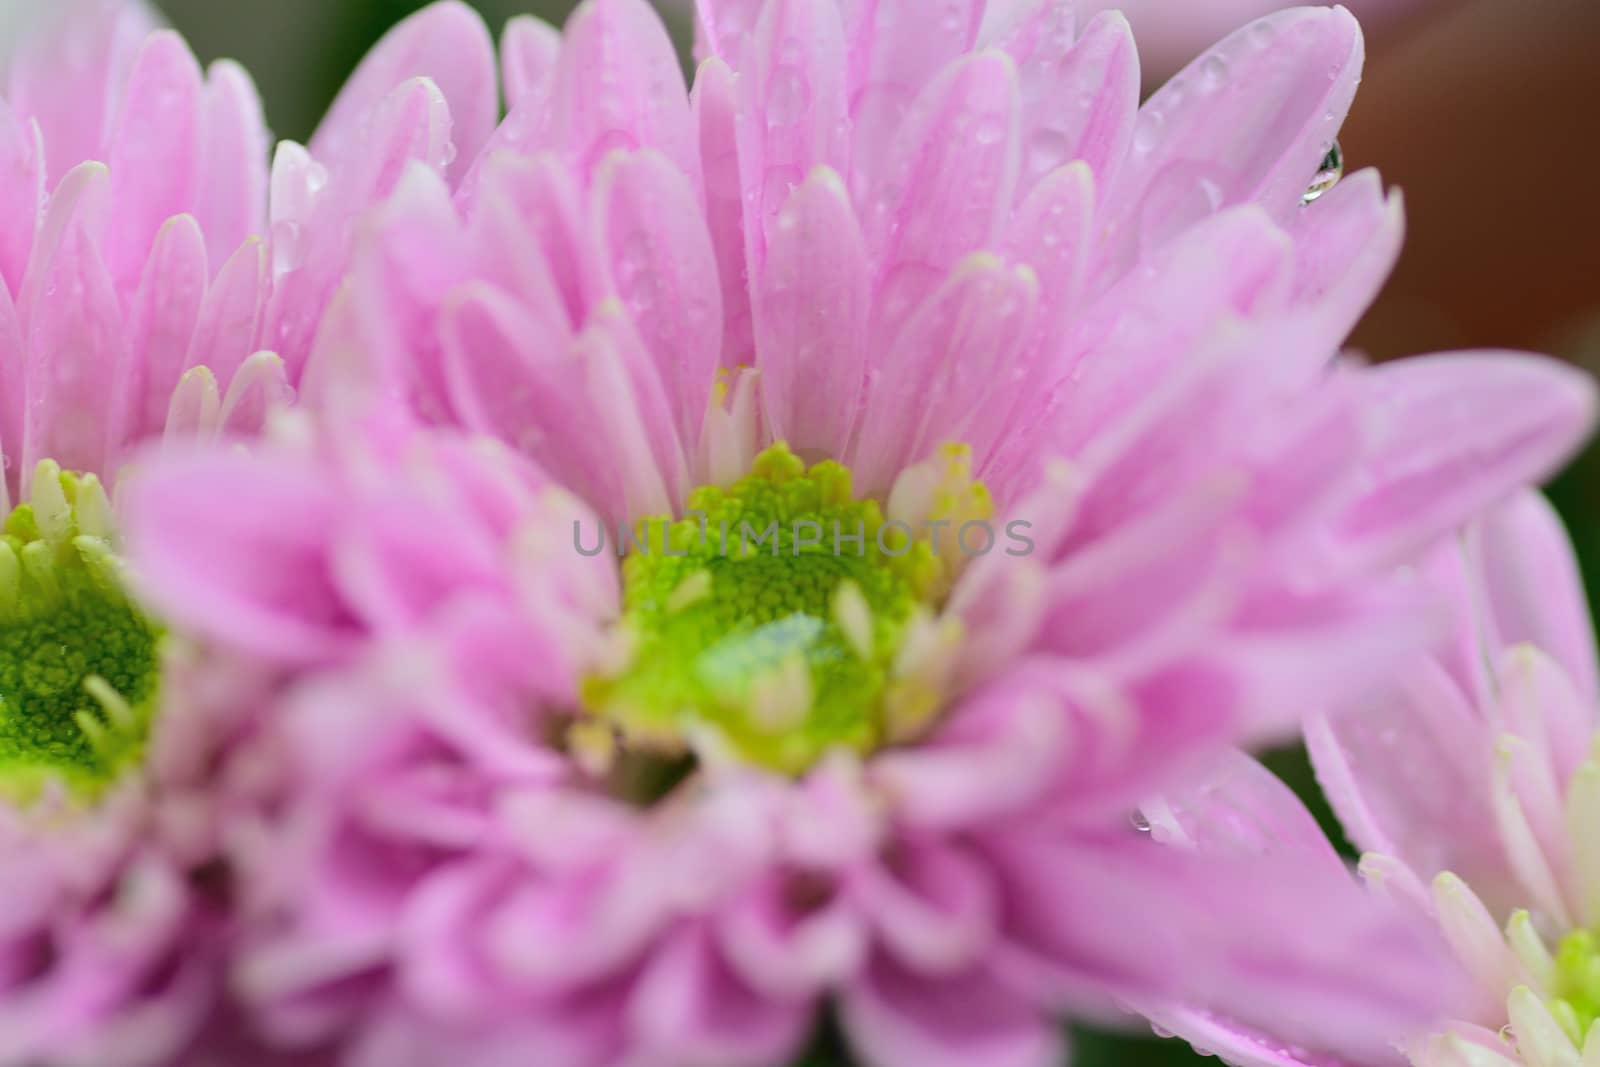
{"type": "Point", "coordinates": [772, 623]}
{"type": "Point", "coordinates": [78, 661]}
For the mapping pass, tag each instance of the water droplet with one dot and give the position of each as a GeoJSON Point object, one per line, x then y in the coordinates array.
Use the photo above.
{"type": "Point", "coordinates": [1327, 176]}
{"type": "Point", "coordinates": [1147, 133]}
{"type": "Point", "coordinates": [1213, 73]}
{"type": "Point", "coordinates": [1139, 822]}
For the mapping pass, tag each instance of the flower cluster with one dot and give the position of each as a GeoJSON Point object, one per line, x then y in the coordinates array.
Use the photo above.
{"type": "Point", "coordinates": [325, 739]}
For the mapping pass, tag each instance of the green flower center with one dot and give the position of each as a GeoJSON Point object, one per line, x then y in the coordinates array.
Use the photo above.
{"type": "Point", "coordinates": [779, 619]}
{"type": "Point", "coordinates": [1576, 1000]}
{"type": "Point", "coordinates": [78, 662]}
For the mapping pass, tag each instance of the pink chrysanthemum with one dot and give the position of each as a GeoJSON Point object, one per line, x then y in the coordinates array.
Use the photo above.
{"type": "Point", "coordinates": [1475, 770]}
{"type": "Point", "coordinates": [155, 280]}
{"type": "Point", "coordinates": [902, 269]}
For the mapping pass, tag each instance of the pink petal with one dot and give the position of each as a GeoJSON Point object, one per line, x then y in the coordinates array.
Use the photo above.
{"type": "Point", "coordinates": [229, 325]}
{"type": "Point", "coordinates": [68, 76]}
{"type": "Point", "coordinates": [1050, 232]}
{"type": "Point", "coordinates": [812, 302]}
{"type": "Point", "coordinates": [689, 1005]}
{"type": "Point", "coordinates": [529, 48]}
{"type": "Point", "coordinates": [236, 547]}
{"type": "Point", "coordinates": [541, 207]}
{"type": "Point", "coordinates": [793, 109]}
{"type": "Point", "coordinates": [894, 1018]}
{"type": "Point", "coordinates": [895, 52]}
{"type": "Point", "coordinates": [1248, 121]}
{"type": "Point", "coordinates": [412, 255]}
{"type": "Point", "coordinates": [411, 125]}
{"type": "Point", "coordinates": [154, 152]}
{"type": "Point", "coordinates": [161, 323]}
{"type": "Point", "coordinates": [661, 264]}
{"type": "Point", "coordinates": [715, 103]}
{"type": "Point", "coordinates": [1079, 98]}
{"type": "Point", "coordinates": [962, 342]}
{"type": "Point", "coordinates": [946, 185]}
{"type": "Point", "coordinates": [635, 417]}
{"type": "Point", "coordinates": [13, 364]}
{"type": "Point", "coordinates": [21, 194]}
{"type": "Point", "coordinates": [1144, 354]}
{"type": "Point", "coordinates": [1235, 806]}
{"type": "Point", "coordinates": [509, 375]}
{"type": "Point", "coordinates": [256, 389]}
{"type": "Point", "coordinates": [932, 906]}
{"type": "Point", "coordinates": [231, 199]}
{"type": "Point", "coordinates": [445, 42]}
{"type": "Point", "coordinates": [726, 24]}
{"type": "Point", "coordinates": [786, 950]}
{"type": "Point", "coordinates": [1450, 435]}
{"type": "Point", "coordinates": [1346, 243]}
{"type": "Point", "coordinates": [1540, 704]}
{"type": "Point", "coordinates": [1407, 771]}
{"type": "Point", "coordinates": [1529, 574]}
{"type": "Point", "coordinates": [1162, 585]}
{"type": "Point", "coordinates": [73, 329]}
{"type": "Point", "coordinates": [618, 85]}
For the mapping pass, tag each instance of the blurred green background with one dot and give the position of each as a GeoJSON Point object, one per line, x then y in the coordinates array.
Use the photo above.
{"type": "Point", "coordinates": [1504, 246]}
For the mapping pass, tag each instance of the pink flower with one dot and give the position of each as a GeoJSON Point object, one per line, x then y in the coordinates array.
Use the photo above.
{"type": "Point", "coordinates": [156, 279]}
{"type": "Point", "coordinates": [522, 801]}
{"type": "Point", "coordinates": [1473, 770]}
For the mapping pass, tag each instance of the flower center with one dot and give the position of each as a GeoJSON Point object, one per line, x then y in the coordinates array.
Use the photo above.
{"type": "Point", "coordinates": [781, 618]}
{"type": "Point", "coordinates": [78, 662]}
{"type": "Point", "coordinates": [1575, 997]}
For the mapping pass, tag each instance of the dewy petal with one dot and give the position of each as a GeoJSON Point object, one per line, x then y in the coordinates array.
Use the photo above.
{"type": "Point", "coordinates": [1079, 98]}
{"type": "Point", "coordinates": [793, 109]}
{"type": "Point", "coordinates": [896, 50]}
{"type": "Point", "coordinates": [1406, 770]}
{"type": "Point", "coordinates": [529, 48]}
{"type": "Point", "coordinates": [155, 151]}
{"type": "Point", "coordinates": [410, 126]}
{"type": "Point", "coordinates": [1253, 116]}
{"type": "Point", "coordinates": [896, 1018]}
{"type": "Point", "coordinates": [229, 324]}
{"type": "Point", "coordinates": [946, 186]}
{"type": "Point", "coordinates": [445, 42]}
{"type": "Point", "coordinates": [661, 265]}
{"type": "Point", "coordinates": [161, 322]}
{"type": "Point", "coordinates": [951, 352]}
{"type": "Point", "coordinates": [232, 193]}
{"type": "Point", "coordinates": [1345, 246]}
{"type": "Point", "coordinates": [618, 85]}
{"type": "Point", "coordinates": [72, 325]}
{"type": "Point", "coordinates": [1524, 559]}
{"type": "Point", "coordinates": [1452, 434]}
{"type": "Point", "coordinates": [813, 298]}
{"type": "Point", "coordinates": [21, 194]}
{"type": "Point", "coordinates": [715, 104]}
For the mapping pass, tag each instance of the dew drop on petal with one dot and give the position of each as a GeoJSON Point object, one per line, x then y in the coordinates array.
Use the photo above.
{"type": "Point", "coordinates": [1328, 174]}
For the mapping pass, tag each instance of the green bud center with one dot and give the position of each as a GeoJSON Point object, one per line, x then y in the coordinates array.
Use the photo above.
{"type": "Point", "coordinates": [78, 661]}
{"type": "Point", "coordinates": [775, 619]}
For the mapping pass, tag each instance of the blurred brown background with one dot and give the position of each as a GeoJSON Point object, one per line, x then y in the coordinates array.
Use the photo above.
{"type": "Point", "coordinates": [1485, 112]}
